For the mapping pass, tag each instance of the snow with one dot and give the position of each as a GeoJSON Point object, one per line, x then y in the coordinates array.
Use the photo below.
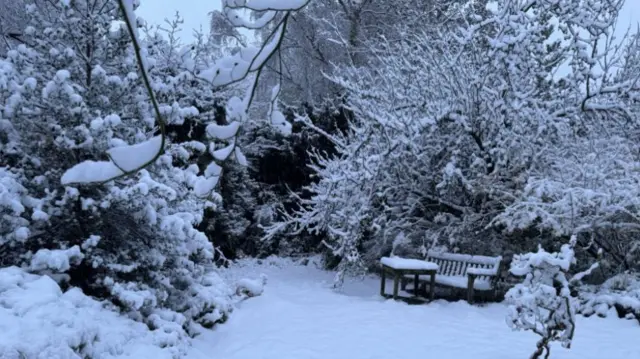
{"type": "Point", "coordinates": [204, 186]}
{"type": "Point", "coordinates": [405, 263]}
{"type": "Point", "coordinates": [38, 320]}
{"type": "Point", "coordinates": [213, 169]}
{"type": "Point", "coordinates": [622, 290]}
{"type": "Point", "coordinates": [10, 192]}
{"type": "Point", "coordinates": [113, 120]}
{"type": "Point", "coordinates": [129, 12]}
{"type": "Point", "coordinates": [223, 132]}
{"type": "Point", "coordinates": [91, 242]}
{"type": "Point", "coordinates": [22, 234]}
{"type": "Point", "coordinates": [128, 158]}
{"type": "Point", "coordinates": [459, 282]}
{"type": "Point", "coordinates": [96, 124]}
{"type": "Point", "coordinates": [279, 122]}
{"type": "Point", "coordinates": [131, 158]}
{"type": "Point", "coordinates": [252, 287]}
{"type": "Point", "coordinates": [240, 157]}
{"type": "Point", "coordinates": [235, 17]}
{"type": "Point", "coordinates": [131, 296]}
{"type": "Point", "coordinates": [59, 260]}
{"type": "Point", "coordinates": [462, 282]}
{"type": "Point", "coordinates": [482, 271]}
{"type": "Point", "coordinates": [90, 172]}
{"type": "Point", "coordinates": [223, 153]}
{"type": "Point", "coordinates": [299, 316]}
{"type": "Point", "coordinates": [526, 262]}
{"type": "Point", "coordinates": [236, 67]}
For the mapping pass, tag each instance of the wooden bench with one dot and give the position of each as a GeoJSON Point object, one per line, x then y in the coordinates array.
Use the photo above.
{"type": "Point", "coordinates": [475, 273]}
{"type": "Point", "coordinates": [401, 267]}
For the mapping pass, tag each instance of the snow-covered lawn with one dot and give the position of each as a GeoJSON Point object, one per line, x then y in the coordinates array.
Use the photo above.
{"type": "Point", "coordinates": [299, 317]}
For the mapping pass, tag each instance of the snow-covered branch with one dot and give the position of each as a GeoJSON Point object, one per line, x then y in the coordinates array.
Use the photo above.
{"type": "Point", "coordinates": [224, 72]}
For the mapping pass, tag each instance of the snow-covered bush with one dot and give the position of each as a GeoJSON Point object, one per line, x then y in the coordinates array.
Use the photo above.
{"type": "Point", "coordinates": [542, 303]}
{"type": "Point", "coordinates": [456, 133]}
{"type": "Point", "coordinates": [73, 93]}
{"type": "Point", "coordinates": [251, 287]}
{"type": "Point", "coordinates": [19, 213]}
{"type": "Point", "coordinates": [588, 186]}
{"type": "Point", "coordinates": [620, 292]}
{"type": "Point", "coordinates": [38, 320]}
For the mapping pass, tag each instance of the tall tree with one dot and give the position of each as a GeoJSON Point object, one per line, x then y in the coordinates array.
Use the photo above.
{"type": "Point", "coordinates": [76, 93]}
{"type": "Point", "coordinates": [456, 132]}
{"type": "Point", "coordinates": [326, 35]}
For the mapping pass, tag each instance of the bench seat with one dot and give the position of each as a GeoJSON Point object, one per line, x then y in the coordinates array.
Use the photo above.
{"type": "Point", "coordinates": [459, 282]}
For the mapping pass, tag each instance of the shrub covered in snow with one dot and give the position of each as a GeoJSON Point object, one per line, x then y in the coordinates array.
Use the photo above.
{"type": "Point", "coordinates": [72, 93]}
{"type": "Point", "coordinates": [251, 287]}
{"type": "Point", "coordinates": [542, 303]}
{"type": "Point", "coordinates": [38, 320]}
{"type": "Point", "coordinates": [451, 154]}
{"type": "Point", "coordinates": [19, 213]}
{"type": "Point", "coordinates": [621, 292]}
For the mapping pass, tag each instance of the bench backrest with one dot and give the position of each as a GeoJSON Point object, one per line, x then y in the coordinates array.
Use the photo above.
{"type": "Point", "coordinates": [454, 264]}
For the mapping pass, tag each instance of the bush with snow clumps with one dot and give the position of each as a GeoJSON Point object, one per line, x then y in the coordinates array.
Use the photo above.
{"type": "Point", "coordinates": [542, 302]}
{"type": "Point", "coordinates": [38, 320]}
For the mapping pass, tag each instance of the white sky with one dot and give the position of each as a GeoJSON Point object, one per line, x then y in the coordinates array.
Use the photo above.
{"type": "Point", "coordinates": [630, 15]}
{"type": "Point", "coordinates": [195, 13]}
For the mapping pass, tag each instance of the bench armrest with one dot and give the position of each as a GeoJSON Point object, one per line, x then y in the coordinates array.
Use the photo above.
{"type": "Point", "coordinates": [481, 271]}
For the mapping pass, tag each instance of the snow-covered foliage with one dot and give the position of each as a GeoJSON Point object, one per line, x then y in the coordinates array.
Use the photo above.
{"type": "Point", "coordinates": [39, 320]}
{"type": "Point", "coordinates": [542, 302]}
{"type": "Point", "coordinates": [620, 292]}
{"type": "Point", "coordinates": [513, 120]}
{"type": "Point", "coordinates": [70, 96]}
{"type": "Point", "coordinates": [251, 287]}
{"type": "Point", "coordinates": [18, 211]}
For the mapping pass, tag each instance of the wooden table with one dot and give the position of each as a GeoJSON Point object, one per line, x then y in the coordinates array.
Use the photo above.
{"type": "Point", "coordinates": [402, 269]}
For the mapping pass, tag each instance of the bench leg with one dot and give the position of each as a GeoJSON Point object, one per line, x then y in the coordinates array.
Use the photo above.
{"type": "Point", "coordinates": [470, 283]}
{"type": "Point", "coordinates": [432, 286]}
{"type": "Point", "coordinates": [423, 289]}
{"type": "Point", "coordinates": [415, 285]}
{"type": "Point", "coordinates": [396, 282]}
{"type": "Point", "coordinates": [383, 280]}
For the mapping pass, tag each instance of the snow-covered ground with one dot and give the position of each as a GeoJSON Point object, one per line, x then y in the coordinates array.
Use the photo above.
{"type": "Point", "coordinates": [296, 315]}
{"type": "Point", "coordinates": [299, 317]}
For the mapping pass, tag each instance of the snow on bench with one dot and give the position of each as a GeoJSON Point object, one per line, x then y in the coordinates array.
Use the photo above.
{"type": "Point", "coordinates": [462, 282]}
{"type": "Point", "coordinates": [481, 271]}
{"type": "Point", "coordinates": [408, 264]}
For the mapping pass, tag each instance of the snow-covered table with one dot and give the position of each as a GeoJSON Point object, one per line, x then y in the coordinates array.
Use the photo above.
{"type": "Point", "coordinates": [399, 267]}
